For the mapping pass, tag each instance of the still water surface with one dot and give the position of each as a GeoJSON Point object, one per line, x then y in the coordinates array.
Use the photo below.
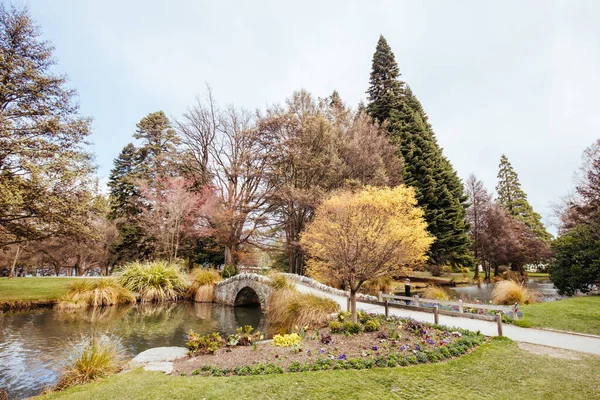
{"type": "Point", "coordinates": [483, 292]}
{"type": "Point", "coordinates": [32, 343]}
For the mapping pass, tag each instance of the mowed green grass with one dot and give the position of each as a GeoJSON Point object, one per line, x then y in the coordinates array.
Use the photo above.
{"type": "Point", "coordinates": [34, 288]}
{"type": "Point", "coordinates": [496, 370]}
{"type": "Point", "coordinates": [576, 314]}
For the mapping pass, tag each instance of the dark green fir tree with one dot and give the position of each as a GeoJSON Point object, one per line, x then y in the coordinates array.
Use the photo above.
{"type": "Point", "coordinates": [438, 188]}
{"type": "Point", "coordinates": [124, 196]}
{"type": "Point", "coordinates": [514, 200]}
{"type": "Point", "coordinates": [385, 88]}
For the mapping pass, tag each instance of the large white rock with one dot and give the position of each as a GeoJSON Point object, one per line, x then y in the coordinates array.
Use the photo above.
{"type": "Point", "coordinates": [158, 358]}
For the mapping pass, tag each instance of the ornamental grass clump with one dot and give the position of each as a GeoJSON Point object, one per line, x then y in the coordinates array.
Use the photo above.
{"type": "Point", "coordinates": [511, 292]}
{"type": "Point", "coordinates": [153, 281]}
{"type": "Point", "coordinates": [290, 308]}
{"type": "Point", "coordinates": [435, 293]}
{"type": "Point", "coordinates": [91, 357]}
{"type": "Point", "coordinates": [202, 286]}
{"type": "Point", "coordinates": [95, 293]}
{"type": "Point", "coordinates": [280, 282]}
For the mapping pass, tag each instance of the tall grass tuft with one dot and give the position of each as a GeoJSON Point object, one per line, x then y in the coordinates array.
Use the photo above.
{"type": "Point", "coordinates": [289, 308]}
{"type": "Point", "coordinates": [510, 292]}
{"type": "Point", "coordinates": [434, 292]}
{"type": "Point", "coordinates": [95, 293]}
{"type": "Point", "coordinates": [280, 282]}
{"type": "Point", "coordinates": [91, 357]}
{"type": "Point", "coordinates": [202, 287]}
{"type": "Point", "coordinates": [374, 286]}
{"type": "Point", "coordinates": [153, 281]}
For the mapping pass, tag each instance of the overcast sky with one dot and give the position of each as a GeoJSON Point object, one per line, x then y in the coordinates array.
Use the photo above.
{"type": "Point", "coordinates": [515, 77]}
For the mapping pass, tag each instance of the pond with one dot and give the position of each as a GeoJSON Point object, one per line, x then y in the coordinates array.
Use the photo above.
{"type": "Point", "coordinates": [483, 291]}
{"type": "Point", "coordinates": [32, 343]}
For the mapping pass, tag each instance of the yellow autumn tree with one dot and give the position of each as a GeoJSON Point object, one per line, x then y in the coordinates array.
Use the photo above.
{"type": "Point", "coordinates": [358, 236]}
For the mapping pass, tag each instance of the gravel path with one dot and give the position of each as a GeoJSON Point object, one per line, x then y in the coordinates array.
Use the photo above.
{"type": "Point", "coordinates": [569, 341]}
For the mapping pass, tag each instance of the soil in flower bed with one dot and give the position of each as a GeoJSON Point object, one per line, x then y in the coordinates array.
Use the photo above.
{"type": "Point", "coordinates": [403, 341]}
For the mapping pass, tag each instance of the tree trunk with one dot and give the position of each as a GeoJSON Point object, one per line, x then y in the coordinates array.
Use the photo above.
{"type": "Point", "coordinates": [229, 256]}
{"type": "Point", "coordinates": [353, 306]}
{"type": "Point", "coordinates": [14, 263]}
{"type": "Point", "coordinates": [476, 276]}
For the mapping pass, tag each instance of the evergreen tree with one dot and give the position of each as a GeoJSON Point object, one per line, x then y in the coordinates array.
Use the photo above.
{"type": "Point", "coordinates": [124, 206]}
{"type": "Point", "coordinates": [514, 200]}
{"type": "Point", "coordinates": [159, 145]}
{"type": "Point", "coordinates": [439, 190]}
{"type": "Point", "coordinates": [385, 88]}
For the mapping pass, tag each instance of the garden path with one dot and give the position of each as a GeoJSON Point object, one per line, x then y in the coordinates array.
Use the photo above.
{"type": "Point", "coordinates": [570, 341]}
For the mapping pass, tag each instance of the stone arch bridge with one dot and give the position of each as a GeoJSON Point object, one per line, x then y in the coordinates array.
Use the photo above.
{"type": "Point", "coordinates": [255, 290]}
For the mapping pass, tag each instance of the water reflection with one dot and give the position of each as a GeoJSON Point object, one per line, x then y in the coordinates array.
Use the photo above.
{"type": "Point", "coordinates": [31, 343]}
{"type": "Point", "coordinates": [483, 291]}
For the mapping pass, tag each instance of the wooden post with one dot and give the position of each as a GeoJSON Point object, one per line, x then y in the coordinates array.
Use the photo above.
{"type": "Point", "coordinates": [387, 307]}
{"type": "Point", "coordinates": [499, 323]}
{"type": "Point", "coordinates": [416, 297]}
{"type": "Point", "coordinates": [436, 317]}
{"type": "Point", "coordinates": [380, 293]}
{"type": "Point", "coordinates": [460, 306]}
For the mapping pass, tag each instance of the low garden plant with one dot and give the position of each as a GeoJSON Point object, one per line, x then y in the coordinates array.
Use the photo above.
{"type": "Point", "coordinates": [204, 344]}
{"type": "Point", "coordinates": [387, 342]}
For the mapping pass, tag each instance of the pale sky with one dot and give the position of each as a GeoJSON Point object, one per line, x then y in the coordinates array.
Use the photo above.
{"type": "Point", "coordinates": [514, 77]}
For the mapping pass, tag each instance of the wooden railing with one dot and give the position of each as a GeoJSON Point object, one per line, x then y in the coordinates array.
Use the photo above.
{"type": "Point", "coordinates": [418, 302]}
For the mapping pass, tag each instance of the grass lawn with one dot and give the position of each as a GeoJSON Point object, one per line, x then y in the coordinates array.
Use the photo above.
{"type": "Point", "coordinates": [497, 370]}
{"type": "Point", "coordinates": [576, 314]}
{"type": "Point", "coordinates": [538, 274]}
{"type": "Point", "coordinates": [34, 288]}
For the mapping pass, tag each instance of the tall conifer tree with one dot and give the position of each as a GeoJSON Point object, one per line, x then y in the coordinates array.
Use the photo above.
{"type": "Point", "coordinates": [385, 89]}
{"type": "Point", "coordinates": [439, 189]}
{"type": "Point", "coordinates": [514, 200]}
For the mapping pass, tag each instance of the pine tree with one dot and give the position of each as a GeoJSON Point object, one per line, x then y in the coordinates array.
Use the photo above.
{"type": "Point", "coordinates": [439, 190]}
{"type": "Point", "coordinates": [385, 88]}
{"type": "Point", "coordinates": [514, 200]}
{"type": "Point", "coordinates": [124, 206]}
{"type": "Point", "coordinates": [159, 144]}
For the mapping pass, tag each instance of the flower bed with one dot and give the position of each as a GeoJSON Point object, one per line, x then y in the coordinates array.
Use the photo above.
{"type": "Point", "coordinates": [395, 342]}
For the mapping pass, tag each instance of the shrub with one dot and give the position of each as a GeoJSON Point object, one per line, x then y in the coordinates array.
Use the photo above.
{"type": "Point", "coordinates": [228, 271]}
{"type": "Point", "coordinates": [206, 344]}
{"type": "Point", "coordinates": [510, 292]}
{"type": "Point", "coordinates": [244, 337]}
{"type": "Point", "coordinates": [94, 293]}
{"type": "Point", "coordinates": [336, 327]}
{"type": "Point", "coordinates": [435, 293]}
{"type": "Point", "coordinates": [350, 328]}
{"type": "Point", "coordinates": [372, 326]}
{"type": "Point", "coordinates": [153, 281]}
{"type": "Point", "coordinates": [91, 357]}
{"type": "Point", "coordinates": [435, 270]}
{"type": "Point", "coordinates": [202, 287]}
{"type": "Point", "coordinates": [290, 308]}
{"type": "Point", "coordinates": [446, 270]}
{"type": "Point", "coordinates": [287, 340]}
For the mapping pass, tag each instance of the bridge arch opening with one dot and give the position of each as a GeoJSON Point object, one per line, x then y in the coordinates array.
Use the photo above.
{"type": "Point", "coordinates": [247, 297]}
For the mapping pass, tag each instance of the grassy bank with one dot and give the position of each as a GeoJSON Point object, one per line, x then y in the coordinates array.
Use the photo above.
{"type": "Point", "coordinates": [24, 291]}
{"type": "Point", "coordinates": [498, 370]}
{"type": "Point", "coordinates": [577, 314]}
